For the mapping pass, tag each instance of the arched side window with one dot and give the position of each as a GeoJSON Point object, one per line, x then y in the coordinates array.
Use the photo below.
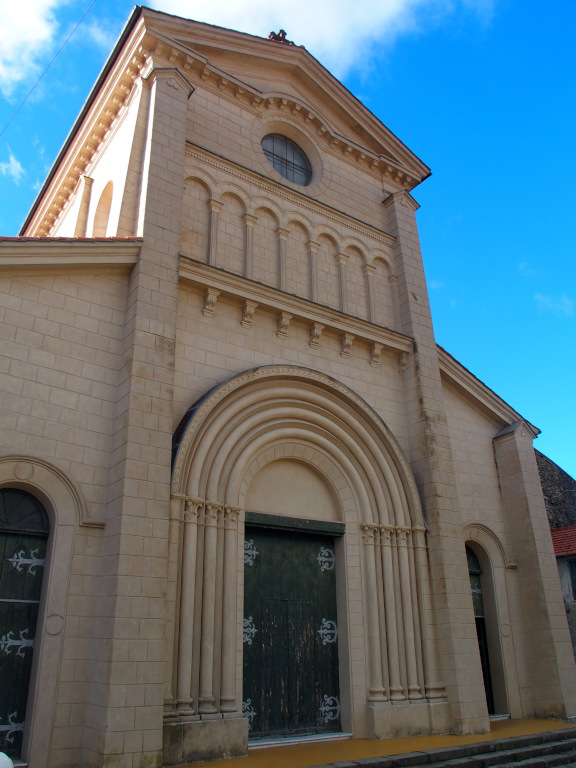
{"type": "Point", "coordinates": [100, 228]}
{"type": "Point", "coordinates": [24, 530]}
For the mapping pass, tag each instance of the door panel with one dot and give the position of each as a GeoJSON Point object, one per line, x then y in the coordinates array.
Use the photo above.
{"type": "Point", "coordinates": [290, 634]}
{"type": "Point", "coordinates": [22, 556]}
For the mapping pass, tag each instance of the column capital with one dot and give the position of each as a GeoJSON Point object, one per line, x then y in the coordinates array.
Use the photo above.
{"type": "Point", "coordinates": [170, 75]}
{"type": "Point", "coordinates": [313, 246]}
{"type": "Point", "coordinates": [282, 234]}
{"type": "Point", "coordinates": [192, 507]}
{"type": "Point", "coordinates": [215, 205]}
{"type": "Point", "coordinates": [368, 270]}
{"type": "Point", "coordinates": [212, 510]}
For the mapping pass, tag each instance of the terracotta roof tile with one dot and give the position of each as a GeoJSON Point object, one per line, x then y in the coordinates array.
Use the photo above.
{"type": "Point", "coordinates": [564, 540]}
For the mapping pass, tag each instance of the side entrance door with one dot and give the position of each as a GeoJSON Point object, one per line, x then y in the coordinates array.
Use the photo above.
{"type": "Point", "coordinates": [290, 634]}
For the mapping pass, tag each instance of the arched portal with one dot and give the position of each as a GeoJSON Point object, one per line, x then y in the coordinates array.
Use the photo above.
{"type": "Point", "coordinates": [24, 530]}
{"type": "Point", "coordinates": [225, 451]}
{"type": "Point", "coordinates": [482, 548]}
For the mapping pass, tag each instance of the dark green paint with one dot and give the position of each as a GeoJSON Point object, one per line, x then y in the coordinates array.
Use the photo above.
{"type": "Point", "coordinates": [287, 668]}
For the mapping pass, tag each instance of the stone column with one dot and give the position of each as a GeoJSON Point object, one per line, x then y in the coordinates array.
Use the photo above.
{"type": "Point", "coordinates": [82, 220]}
{"type": "Point", "coordinates": [407, 597]}
{"type": "Point", "coordinates": [376, 690]}
{"type": "Point", "coordinates": [433, 687]}
{"type": "Point", "coordinates": [343, 259]}
{"type": "Point", "coordinates": [396, 689]}
{"type": "Point", "coordinates": [282, 235]}
{"type": "Point", "coordinates": [368, 271]}
{"type": "Point", "coordinates": [313, 249]}
{"type": "Point", "coordinates": [215, 208]}
{"type": "Point", "coordinates": [229, 618]}
{"type": "Point", "coordinates": [206, 697]}
{"type": "Point", "coordinates": [187, 606]}
{"type": "Point", "coordinates": [249, 222]}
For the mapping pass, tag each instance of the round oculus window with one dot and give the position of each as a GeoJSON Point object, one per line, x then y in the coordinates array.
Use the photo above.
{"type": "Point", "coordinates": [287, 158]}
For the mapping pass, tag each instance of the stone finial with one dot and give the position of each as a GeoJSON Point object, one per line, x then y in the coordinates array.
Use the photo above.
{"type": "Point", "coordinates": [280, 37]}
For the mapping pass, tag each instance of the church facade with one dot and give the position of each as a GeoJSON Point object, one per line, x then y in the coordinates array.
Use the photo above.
{"type": "Point", "coordinates": [243, 492]}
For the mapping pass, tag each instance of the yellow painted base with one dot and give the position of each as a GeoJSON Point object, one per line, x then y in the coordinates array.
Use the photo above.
{"type": "Point", "coordinates": [321, 753]}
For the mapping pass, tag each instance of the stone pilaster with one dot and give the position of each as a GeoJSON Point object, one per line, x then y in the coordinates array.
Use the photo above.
{"type": "Point", "coordinates": [431, 462]}
{"type": "Point", "coordinates": [127, 671]}
{"type": "Point", "coordinates": [546, 669]}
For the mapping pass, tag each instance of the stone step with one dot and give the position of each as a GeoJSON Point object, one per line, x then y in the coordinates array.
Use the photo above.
{"type": "Point", "coordinates": [541, 750]}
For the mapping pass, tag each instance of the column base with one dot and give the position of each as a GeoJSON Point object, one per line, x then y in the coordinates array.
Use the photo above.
{"type": "Point", "coordinates": [407, 718]}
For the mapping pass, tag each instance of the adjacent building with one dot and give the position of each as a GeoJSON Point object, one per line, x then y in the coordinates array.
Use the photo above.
{"type": "Point", "coordinates": [243, 492]}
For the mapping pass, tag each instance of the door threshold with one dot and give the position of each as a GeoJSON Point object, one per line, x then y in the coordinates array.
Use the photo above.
{"type": "Point", "coordinates": [288, 741]}
{"type": "Point", "coordinates": [499, 717]}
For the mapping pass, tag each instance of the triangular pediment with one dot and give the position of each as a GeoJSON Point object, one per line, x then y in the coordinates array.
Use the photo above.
{"type": "Point", "coordinates": [285, 77]}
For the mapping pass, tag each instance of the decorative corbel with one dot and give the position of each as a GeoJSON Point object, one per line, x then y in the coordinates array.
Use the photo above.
{"type": "Point", "coordinates": [375, 351]}
{"type": "Point", "coordinates": [248, 313]}
{"type": "Point", "coordinates": [346, 344]}
{"type": "Point", "coordinates": [210, 299]}
{"type": "Point", "coordinates": [315, 333]}
{"type": "Point", "coordinates": [283, 324]}
{"type": "Point", "coordinates": [402, 362]}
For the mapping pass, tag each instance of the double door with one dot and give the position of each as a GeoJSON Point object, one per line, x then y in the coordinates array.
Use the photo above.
{"type": "Point", "coordinates": [290, 634]}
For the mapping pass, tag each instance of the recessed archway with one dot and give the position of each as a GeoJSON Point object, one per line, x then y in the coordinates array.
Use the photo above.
{"type": "Point", "coordinates": [306, 423]}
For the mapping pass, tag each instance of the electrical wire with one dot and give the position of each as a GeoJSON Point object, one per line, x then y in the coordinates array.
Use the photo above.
{"type": "Point", "coordinates": [47, 68]}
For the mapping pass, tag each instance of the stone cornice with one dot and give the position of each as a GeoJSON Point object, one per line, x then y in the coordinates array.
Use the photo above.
{"type": "Point", "coordinates": [303, 201]}
{"type": "Point", "coordinates": [461, 376]}
{"type": "Point", "coordinates": [42, 254]}
{"type": "Point", "coordinates": [221, 282]}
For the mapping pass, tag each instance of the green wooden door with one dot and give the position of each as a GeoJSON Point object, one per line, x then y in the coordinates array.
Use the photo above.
{"type": "Point", "coordinates": [290, 634]}
{"type": "Point", "coordinates": [23, 536]}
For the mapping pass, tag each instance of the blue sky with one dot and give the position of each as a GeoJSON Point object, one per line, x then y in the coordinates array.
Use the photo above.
{"type": "Point", "coordinates": [483, 91]}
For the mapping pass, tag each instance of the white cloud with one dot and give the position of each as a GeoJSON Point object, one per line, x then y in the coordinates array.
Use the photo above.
{"type": "Point", "coordinates": [436, 285]}
{"type": "Point", "coordinates": [337, 32]}
{"type": "Point", "coordinates": [562, 306]}
{"type": "Point", "coordinates": [27, 33]}
{"type": "Point", "coordinates": [12, 168]}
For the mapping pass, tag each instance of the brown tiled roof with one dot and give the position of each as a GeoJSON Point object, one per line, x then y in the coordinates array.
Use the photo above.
{"type": "Point", "coordinates": [564, 540]}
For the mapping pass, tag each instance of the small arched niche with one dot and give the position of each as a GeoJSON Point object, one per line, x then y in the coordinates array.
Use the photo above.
{"type": "Point", "coordinates": [293, 489]}
{"type": "Point", "coordinates": [100, 228]}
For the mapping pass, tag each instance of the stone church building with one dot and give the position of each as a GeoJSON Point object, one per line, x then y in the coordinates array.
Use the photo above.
{"type": "Point", "coordinates": [243, 492]}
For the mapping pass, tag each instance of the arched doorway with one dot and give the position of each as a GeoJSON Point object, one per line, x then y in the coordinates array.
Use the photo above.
{"type": "Point", "coordinates": [252, 431]}
{"type": "Point", "coordinates": [24, 530]}
{"type": "Point", "coordinates": [475, 573]}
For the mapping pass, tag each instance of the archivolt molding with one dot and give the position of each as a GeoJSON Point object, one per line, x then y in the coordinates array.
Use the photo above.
{"type": "Point", "coordinates": [205, 178]}
{"type": "Point", "coordinates": [490, 542]}
{"type": "Point", "coordinates": [303, 404]}
{"type": "Point", "coordinates": [52, 486]}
